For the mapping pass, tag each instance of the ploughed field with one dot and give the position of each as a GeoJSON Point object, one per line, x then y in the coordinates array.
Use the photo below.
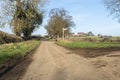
{"type": "Point", "coordinates": [104, 56]}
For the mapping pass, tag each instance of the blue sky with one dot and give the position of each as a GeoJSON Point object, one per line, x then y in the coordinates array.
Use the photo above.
{"type": "Point", "coordinates": [88, 15]}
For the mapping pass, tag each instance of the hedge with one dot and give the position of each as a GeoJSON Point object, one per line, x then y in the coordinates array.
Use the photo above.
{"type": "Point", "coordinates": [9, 38]}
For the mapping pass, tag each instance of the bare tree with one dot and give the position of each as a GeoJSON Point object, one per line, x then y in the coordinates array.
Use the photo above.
{"type": "Point", "coordinates": [114, 7]}
{"type": "Point", "coordinates": [59, 19]}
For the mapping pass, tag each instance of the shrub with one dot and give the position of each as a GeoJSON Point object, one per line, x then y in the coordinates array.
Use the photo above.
{"type": "Point", "coordinates": [1, 41]}
{"type": "Point", "coordinates": [9, 38]}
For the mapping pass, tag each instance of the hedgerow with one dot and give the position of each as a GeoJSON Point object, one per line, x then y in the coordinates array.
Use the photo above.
{"type": "Point", "coordinates": [9, 38]}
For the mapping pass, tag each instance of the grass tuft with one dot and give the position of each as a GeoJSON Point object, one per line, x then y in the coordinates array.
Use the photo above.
{"type": "Point", "coordinates": [16, 50]}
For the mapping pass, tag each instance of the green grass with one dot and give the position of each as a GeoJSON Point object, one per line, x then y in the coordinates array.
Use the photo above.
{"type": "Point", "coordinates": [95, 39]}
{"type": "Point", "coordinates": [88, 45]}
{"type": "Point", "coordinates": [16, 50]}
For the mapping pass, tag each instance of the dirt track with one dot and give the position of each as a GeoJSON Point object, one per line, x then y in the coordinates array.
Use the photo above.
{"type": "Point", "coordinates": [51, 62]}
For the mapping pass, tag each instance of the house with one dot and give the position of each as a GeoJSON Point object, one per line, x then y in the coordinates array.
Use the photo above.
{"type": "Point", "coordinates": [81, 34]}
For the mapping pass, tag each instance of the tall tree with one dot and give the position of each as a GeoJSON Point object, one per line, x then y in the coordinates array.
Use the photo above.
{"type": "Point", "coordinates": [25, 15]}
{"type": "Point", "coordinates": [114, 7]}
{"type": "Point", "coordinates": [2, 24]}
{"type": "Point", "coordinates": [59, 19]}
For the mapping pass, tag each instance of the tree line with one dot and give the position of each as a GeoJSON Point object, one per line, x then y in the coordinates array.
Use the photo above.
{"type": "Point", "coordinates": [25, 16]}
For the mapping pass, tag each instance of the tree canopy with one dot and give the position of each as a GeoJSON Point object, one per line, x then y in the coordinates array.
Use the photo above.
{"type": "Point", "coordinates": [24, 15]}
{"type": "Point", "coordinates": [59, 19]}
{"type": "Point", "coordinates": [114, 7]}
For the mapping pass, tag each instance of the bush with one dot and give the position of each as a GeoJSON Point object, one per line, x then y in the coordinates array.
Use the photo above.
{"type": "Point", "coordinates": [9, 38]}
{"type": "Point", "coordinates": [1, 41]}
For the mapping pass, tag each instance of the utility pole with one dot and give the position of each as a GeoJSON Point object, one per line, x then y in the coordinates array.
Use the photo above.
{"type": "Point", "coordinates": [64, 32]}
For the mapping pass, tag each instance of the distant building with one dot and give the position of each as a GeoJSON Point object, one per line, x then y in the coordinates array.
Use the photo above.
{"type": "Point", "coordinates": [72, 34]}
{"type": "Point", "coordinates": [81, 34]}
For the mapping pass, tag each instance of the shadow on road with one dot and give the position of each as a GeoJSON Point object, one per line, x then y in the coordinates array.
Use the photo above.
{"type": "Point", "coordinates": [17, 72]}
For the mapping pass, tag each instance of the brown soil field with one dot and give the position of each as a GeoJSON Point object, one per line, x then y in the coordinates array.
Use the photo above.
{"type": "Point", "coordinates": [106, 60]}
{"type": "Point", "coordinates": [92, 53]}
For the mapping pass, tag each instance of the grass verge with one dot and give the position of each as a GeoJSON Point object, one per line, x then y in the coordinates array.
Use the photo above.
{"type": "Point", "coordinates": [88, 45]}
{"type": "Point", "coordinates": [16, 50]}
{"type": "Point", "coordinates": [91, 49]}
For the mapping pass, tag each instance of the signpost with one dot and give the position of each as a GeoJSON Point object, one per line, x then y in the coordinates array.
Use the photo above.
{"type": "Point", "coordinates": [64, 29]}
